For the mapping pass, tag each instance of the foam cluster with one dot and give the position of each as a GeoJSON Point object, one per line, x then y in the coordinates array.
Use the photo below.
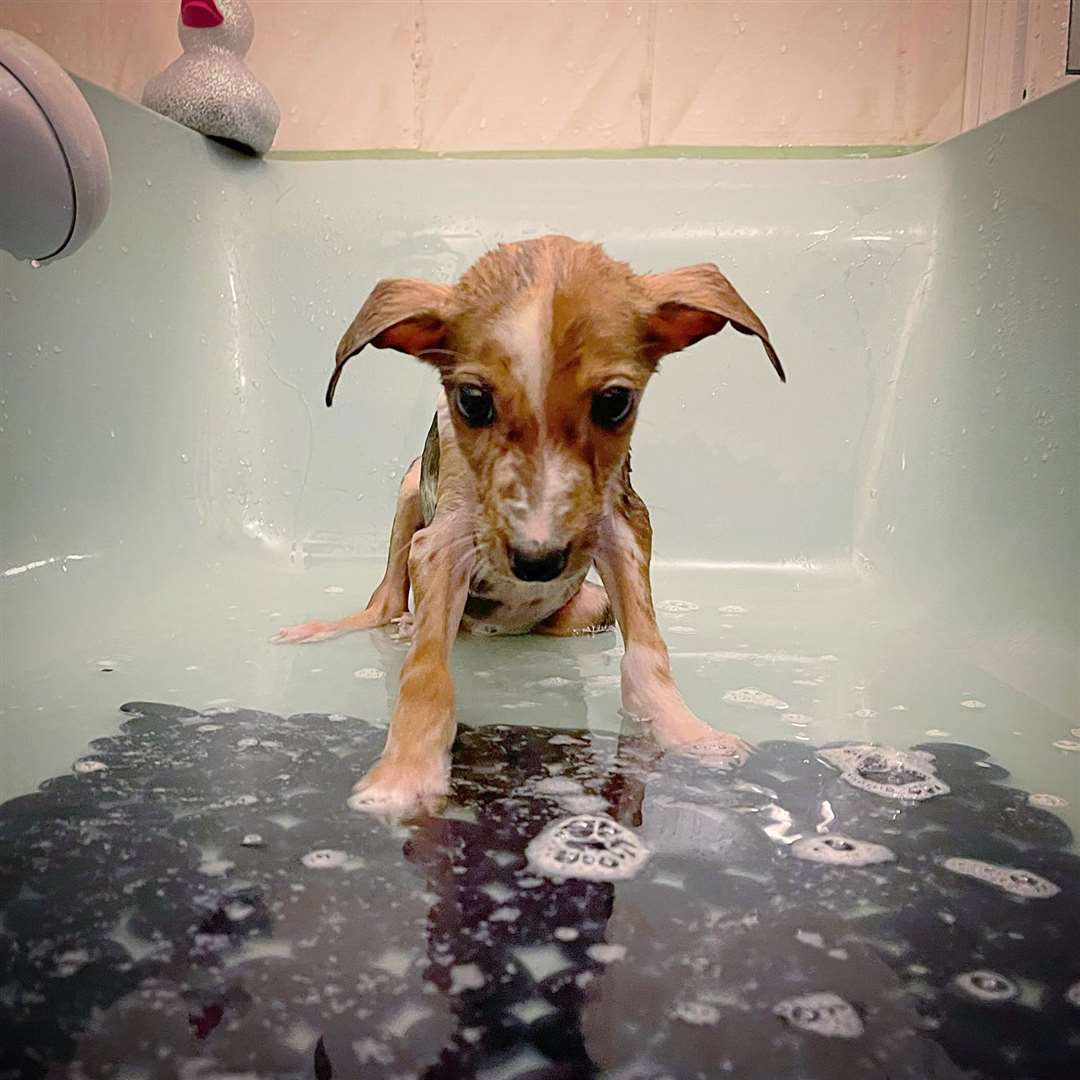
{"type": "Point", "coordinates": [905, 775]}
{"type": "Point", "coordinates": [836, 850]}
{"type": "Point", "coordinates": [1022, 883]}
{"type": "Point", "coordinates": [823, 1013]}
{"type": "Point", "coordinates": [324, 859]}
{"type": "Point", "coordinates": [988, 987]}
{"type": "Point", "coordinates": [590, 847]}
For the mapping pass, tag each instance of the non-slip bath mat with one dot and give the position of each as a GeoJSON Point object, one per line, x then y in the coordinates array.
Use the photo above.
{"type": "Point", "coordinates": [195, 900]}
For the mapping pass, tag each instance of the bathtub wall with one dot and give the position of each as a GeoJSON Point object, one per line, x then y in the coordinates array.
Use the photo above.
{"type": "Point", "coordinates": [161, 392]}
{"type": "Point", "coordinates": [969, 503]}
{"type": "Point", "coordinates": [571, 74]}
{"type": "Point", "coordinates": [170, 378]}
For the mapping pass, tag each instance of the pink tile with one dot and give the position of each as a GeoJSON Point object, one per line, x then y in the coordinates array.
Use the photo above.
{"type": "Point", "coordinates": [534, 75]}
{"type": "Point", "coordinates": [342, 72]}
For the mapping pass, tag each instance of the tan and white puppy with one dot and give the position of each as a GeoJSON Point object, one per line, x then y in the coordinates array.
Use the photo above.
{"type": "Point", "coordinates": [544, 348]}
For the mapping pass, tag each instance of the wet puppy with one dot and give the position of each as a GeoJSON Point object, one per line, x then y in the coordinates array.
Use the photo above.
{"type": "Point", "coordinates": [544, 348]}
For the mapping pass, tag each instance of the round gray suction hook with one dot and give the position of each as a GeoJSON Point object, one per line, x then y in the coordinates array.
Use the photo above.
{"type": "Point", "coordinates": [54, 169]}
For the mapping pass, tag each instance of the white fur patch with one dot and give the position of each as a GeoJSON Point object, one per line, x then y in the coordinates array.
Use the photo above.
{"type": "Point", "coordinates": [525, 334]}
{"type": "Point", "coordinates": [556, 477]}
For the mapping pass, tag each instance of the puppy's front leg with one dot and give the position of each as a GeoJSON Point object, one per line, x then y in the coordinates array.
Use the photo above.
{"type": "Point", "coordinates": [414, 769]}
{"type": "Point", "coordinates": [622, 557]}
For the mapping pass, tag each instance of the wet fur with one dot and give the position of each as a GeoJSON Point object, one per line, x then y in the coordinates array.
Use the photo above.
{"type": "Point", "coordinates": [543, 325]}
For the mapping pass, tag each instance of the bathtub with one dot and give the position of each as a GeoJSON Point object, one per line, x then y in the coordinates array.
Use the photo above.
{"type": "Point", "coordinates": [887, 548]}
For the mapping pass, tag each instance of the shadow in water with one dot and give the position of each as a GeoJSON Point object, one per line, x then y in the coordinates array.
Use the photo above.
{"type": "Point", "coordinates": [196, 900]}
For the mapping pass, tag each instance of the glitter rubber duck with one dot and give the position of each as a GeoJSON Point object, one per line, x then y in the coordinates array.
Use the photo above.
{"type": "Point", "coordinates": [209, 88]}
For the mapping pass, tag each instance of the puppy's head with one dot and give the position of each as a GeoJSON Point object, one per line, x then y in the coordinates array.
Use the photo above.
{"type": "Point", "coordinates": [544, 348]}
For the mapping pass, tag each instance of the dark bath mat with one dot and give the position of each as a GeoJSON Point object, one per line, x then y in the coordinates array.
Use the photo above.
{"type": "Point", "coordinates": [195, 900]}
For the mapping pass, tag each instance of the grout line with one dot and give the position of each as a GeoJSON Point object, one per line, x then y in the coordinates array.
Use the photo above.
{"type": "Point", "coordinates": [682, 153]}
{"type": "Point", "coordinates": [974, 65]}
{"type": "Point", "coordinates": [899, 120]}
{"type": "Point", "coordinates": [648, 82]}
{"type": "Point", "coordinates": [419, 72]}
{"type": "Point", "coordinates": [1018, 67]}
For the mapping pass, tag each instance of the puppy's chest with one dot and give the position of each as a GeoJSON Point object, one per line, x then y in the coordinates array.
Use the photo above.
{"type": "Point", "coordinates": [500, 604]}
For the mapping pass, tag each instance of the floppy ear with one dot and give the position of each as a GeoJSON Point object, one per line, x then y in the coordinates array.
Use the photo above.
{"type": "Point", "coordinates": [691, 303]}
{"type": "Point", "coordinates": [401, 313]}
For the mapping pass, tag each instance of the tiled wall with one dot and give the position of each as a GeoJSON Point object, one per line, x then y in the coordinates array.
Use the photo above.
{"type": "Point", "coordinates": [573, 74]}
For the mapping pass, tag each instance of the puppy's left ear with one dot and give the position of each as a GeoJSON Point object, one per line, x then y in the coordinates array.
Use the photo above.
{"type": "Point", "coordinates": [691, 303]}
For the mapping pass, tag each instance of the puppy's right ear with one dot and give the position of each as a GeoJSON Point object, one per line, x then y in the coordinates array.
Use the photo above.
{"type": "Point", "coordinates": [401, 313]}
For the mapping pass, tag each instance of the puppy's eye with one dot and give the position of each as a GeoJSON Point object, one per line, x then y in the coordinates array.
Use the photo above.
{"type": "Point", "coordinates": [611, 406]}
{"type": "Point", "coordinates": [476, 405]}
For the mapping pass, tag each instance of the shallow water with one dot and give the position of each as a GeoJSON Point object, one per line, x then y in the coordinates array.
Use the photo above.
{"type": "Point", "coordinates": [198, 902]}
{"type": "Point", "coordinates": [834, 651]}
{"type": "Point", "coordinates": [190, 895]}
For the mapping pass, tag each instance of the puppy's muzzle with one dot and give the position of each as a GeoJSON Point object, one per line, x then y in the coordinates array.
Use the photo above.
{"type": "Point", "coordinates": [537, 564]}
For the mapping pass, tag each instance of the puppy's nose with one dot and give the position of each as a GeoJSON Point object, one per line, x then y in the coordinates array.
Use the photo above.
{"type": "Point", "coordinates": [538, 565]}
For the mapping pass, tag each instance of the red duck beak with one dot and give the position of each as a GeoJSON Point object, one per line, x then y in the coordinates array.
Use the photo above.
{"type": "Point", "coordinates": [201, 14]}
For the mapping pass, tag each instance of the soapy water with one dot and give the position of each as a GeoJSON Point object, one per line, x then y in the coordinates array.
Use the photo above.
{"type": "Point", "coordinates": [892, 774]}
{"type": "Point", "coordinates": [751, 695]}
{"type": "Point", "coordinates": [179, 903]}
{"type": "Point", "coordinates": [1016, 882]}
{"type": "Point", "coordinates": [676, 607]}
{"type": "Point", "coordinates": [837, 850]}
{"type": "Point", "coordinates": [323, 859]}
{"type": "Point", "coordinates": [557, 786]}
{"type": "Point", "coordinates": [89, 765]}
{"type": "Point", "coordinates": [716, 752]}
{"type": "Point", "coordinates": [1047, 802]}
{"type": "Point", "coordinates": [588, 847]}
{"type": "Point", "coordinates": [569, 794]}
{"type": "Point", "coordinates": [986, 986]}
{"type": "Point", "coordinates": [822, 1013]}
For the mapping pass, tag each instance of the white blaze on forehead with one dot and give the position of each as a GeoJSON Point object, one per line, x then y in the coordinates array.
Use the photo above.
{"type": "Point", "coordinates": [548, 479]}
{"type": "Point", "coordinates": [525, 334]}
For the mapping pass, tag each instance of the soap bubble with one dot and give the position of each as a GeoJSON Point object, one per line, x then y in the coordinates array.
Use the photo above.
{"type": "Point", "coordinates": [893, 774]}
{"type": "Point", "coordinates": [698, 1013]}
{"type": "Point", "coordinates": [837, 850]}
{"type": "Point", "coordinates": [591, 847]}
{"type": "Point", "coordinates": [1009, 879]}
{"type": "Point", "coordinates": [986, 986]}
{"type": "Point", "coordinates": [823, 1013]}
{"type": "Point", "coordinates": [324, 859]}
{"type": "Point", "coordinates": [90, 765]}
{"type": "Point", "coordinates": [1045, 801]}
{"type": "Point", "coordinates": [557, 785]}
{"type": "Point", "coordinates": [751, 695]}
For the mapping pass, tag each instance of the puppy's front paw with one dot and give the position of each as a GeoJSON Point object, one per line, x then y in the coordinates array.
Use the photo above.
{"type": "Point", "coordinates": [720, 750]}
{"type": "Point", "coordinates": [305, 633]}
{"type": "Point", "coordinates": [396, 789]}
{"type": "Point", "coordinates": [679, 730]}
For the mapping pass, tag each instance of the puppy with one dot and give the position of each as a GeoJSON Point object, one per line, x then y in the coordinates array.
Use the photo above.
{"type": "Point", "coordinates": [544, 348]}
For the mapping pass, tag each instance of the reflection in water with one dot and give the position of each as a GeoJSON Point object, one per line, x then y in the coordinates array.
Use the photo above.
{"type": "Point", "coordinates": [204, 904]}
